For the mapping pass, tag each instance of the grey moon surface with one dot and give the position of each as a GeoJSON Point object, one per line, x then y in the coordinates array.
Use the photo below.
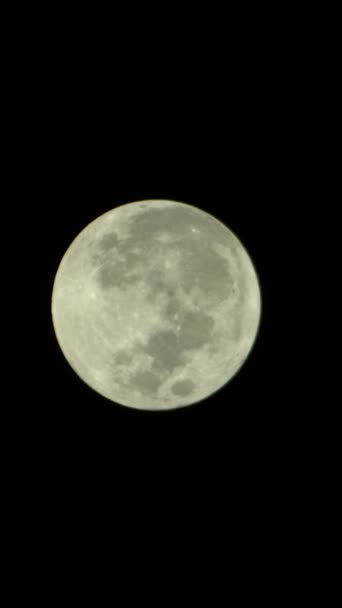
{"type": "Point", "coordinates": [156, 305]}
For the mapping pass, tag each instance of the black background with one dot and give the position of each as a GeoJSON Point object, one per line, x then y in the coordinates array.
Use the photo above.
{"type": "Point", "coordinates": [217, 119]}
{"type": "Point", "coordinates": [210, 149]}
{"type": "Point", "coordinates": [214, 133]}
{"type": "Point", "coordinates": [219, 110]}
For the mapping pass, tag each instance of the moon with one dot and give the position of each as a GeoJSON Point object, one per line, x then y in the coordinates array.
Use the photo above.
{"type": "Point", "coordinates": [156, 305]}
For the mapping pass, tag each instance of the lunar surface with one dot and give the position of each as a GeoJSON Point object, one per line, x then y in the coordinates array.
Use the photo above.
{"type": "Point", "coordinates": [156, 305]}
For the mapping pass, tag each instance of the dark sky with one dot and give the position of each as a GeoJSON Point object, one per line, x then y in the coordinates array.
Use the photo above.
{"type": "Point", "coordinates": [222, 111]}
{"type": "Point", "coordinates": [219, 115]}
{"type": "Point", "coordinates": [218, 158]}
{"type": "Point", "coordinates": [214, 131]}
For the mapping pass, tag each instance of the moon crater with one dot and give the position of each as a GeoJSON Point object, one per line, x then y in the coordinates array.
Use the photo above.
{"type": "Point", "coordinates": [183, 387]}
{"type": "Point", "coordinates": [166, 351]}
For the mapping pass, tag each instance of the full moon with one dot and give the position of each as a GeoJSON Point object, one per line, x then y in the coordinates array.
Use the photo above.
{"type": "Point", "coordinates": [156, 305]}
